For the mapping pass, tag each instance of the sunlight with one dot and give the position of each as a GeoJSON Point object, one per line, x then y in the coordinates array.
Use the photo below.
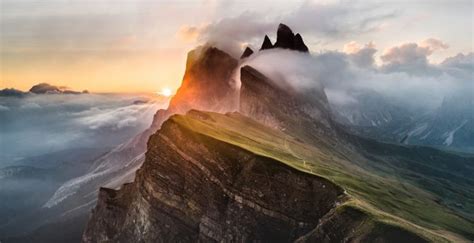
{"type": "Point", "coordinates": [166, 92]}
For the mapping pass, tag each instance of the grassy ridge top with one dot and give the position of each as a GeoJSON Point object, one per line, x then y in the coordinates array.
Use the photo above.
{"type": "Point", "coordinates": [389, 199]}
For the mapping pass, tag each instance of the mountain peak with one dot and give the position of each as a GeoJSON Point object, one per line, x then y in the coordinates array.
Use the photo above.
{"type": "Point", "coordinates": [286, 39]}
{"type": "Point", "coordinates": [267, 43]}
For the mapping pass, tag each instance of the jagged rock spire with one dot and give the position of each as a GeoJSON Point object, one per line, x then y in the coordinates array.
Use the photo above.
{"type": "Point", "coordinates": [267, 43]}
{"type": "Point", "coordinates": [299, 43]}
{"type": "Point", "coordinates": [286, 39]}
{"type": "Point", "coordinates": [248, 51]}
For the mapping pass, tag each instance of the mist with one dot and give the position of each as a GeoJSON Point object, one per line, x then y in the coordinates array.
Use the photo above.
{"type": "Point", "coordinates": [343, 75]}
{"type": "Point", "coordinates": [41, 124]}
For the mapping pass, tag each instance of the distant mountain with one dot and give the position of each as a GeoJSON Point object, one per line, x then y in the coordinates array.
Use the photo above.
{"type": "Point", "coordinates": [450, 126]}
{"type": "Point", "coordinates": [12, 93]}
{"type": "Point", "coordinates": [45, 88]}
{"type": "Point", "coordinates": [41, 88]}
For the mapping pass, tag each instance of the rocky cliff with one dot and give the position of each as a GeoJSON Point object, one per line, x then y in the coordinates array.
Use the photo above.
{"type": "Point", "coordinates": [195, 187]}
{"type": "Point", "coordinates": [279, 171]}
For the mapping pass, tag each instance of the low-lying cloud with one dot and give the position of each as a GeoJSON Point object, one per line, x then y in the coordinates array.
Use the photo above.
{"type": "Point", "coordinates": [41, 124]}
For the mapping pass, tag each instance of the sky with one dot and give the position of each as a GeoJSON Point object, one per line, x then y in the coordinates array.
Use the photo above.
{"type": "Point", "coordinates": [141, 45]}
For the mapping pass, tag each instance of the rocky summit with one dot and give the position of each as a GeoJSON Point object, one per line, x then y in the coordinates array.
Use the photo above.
{"type": "Point", "coordinates": [286, 39]}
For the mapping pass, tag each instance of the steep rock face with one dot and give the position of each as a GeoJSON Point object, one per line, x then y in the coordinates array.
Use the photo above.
{"type": "Point", "coordinates": [193, 187]}
{"type": "Point", "coordinates": [282, 107]}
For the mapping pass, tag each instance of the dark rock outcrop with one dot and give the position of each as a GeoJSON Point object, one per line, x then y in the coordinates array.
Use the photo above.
{"type": "Point", "coordinates": [248, 51]}
{"type": "Point", "coordinates": [267, 43]}
{"type": "Point", "coordinates": [286, 40]}
{"type": "Point", "coordinates": [193, 187]}
{"type": "Point", "coordinates": [299, 43]}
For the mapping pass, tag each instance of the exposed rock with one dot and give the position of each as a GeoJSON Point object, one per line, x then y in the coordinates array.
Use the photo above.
{"type": "Point", "coordinates": [246, 53]}
{"type": "Point", "coordinates": [267, 43]}
{"type": "Point", "coordinates": [285, 37]}
{"type": "Point", "coordinates": [299, 44]}
{"type": "Point", "coordinates": [193, 187]}
{"type": "Point", "coordinates": [286, 40]}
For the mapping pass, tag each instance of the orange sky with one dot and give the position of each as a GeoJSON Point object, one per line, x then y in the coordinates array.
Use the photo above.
{"type": "Point", "coordinates": [118, 72]}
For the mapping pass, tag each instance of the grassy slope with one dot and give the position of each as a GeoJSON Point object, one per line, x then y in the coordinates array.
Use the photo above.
{"type": "Point", "coordinates": [389, 199]}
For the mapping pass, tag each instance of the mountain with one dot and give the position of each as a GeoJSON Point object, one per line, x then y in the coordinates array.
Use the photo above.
{"type": "Point", "coordinates": [449, 126]}
{"type": "Point", "coordinates": [12, 93]}
{"type": "Point", "coordinates": [280, 170]}
{"type": "Point", "coordinates": [45, 88]}
{"type": "Point", "coordinates": [207, 85]}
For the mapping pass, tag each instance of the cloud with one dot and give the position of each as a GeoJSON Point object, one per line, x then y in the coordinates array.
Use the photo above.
{"type": "Point", "coordinates": [434, 44]}
{"type": "Point", "coordinates": [114, 119]}
{"type": "Point", "coordinates": [4, 108]}
{"type": "Point", "coordinates": [38, 124]}
{"type": "Point", "coordinates": [323, 21]}
{"type": "Point", "coordinates": [362, 56]}
{"type": "Point", "coordinates": [411, 79]}
{"type": "Point", "coordinates": [412, 58]}
{"type": "Point", "coordinates": [30, 105]}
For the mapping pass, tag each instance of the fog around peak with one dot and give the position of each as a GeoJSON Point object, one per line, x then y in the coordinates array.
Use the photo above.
{"type": "Point", "coordinates": [405, 76]}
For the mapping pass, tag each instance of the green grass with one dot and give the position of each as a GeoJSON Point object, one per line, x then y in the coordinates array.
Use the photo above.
{"type": "Point", "coordinates": [383, 193]}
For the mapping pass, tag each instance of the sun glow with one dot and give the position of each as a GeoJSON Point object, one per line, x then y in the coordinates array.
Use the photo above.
{"type": "Point", "coordinates": [166, 92]}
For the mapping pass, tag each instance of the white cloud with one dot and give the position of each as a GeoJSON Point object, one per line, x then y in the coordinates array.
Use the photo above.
{"type": "Point", "coordinates": [326, 21]}
{"type": "Point", "coordinates": [4, 108]}
{"type": "Point", "coordinates": [30, 105]}
{"type": "Point", "coordinates": [424, 85]}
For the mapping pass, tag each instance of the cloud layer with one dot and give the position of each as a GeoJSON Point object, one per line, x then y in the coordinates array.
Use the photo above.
{"type": "Point", "coordinates": [40, 124]}
{"type": "Point", "coordinates": [405, 75]}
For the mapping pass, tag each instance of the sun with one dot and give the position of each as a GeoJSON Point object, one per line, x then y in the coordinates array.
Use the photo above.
{"type": "Point", "coordinates": [166, 92]}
